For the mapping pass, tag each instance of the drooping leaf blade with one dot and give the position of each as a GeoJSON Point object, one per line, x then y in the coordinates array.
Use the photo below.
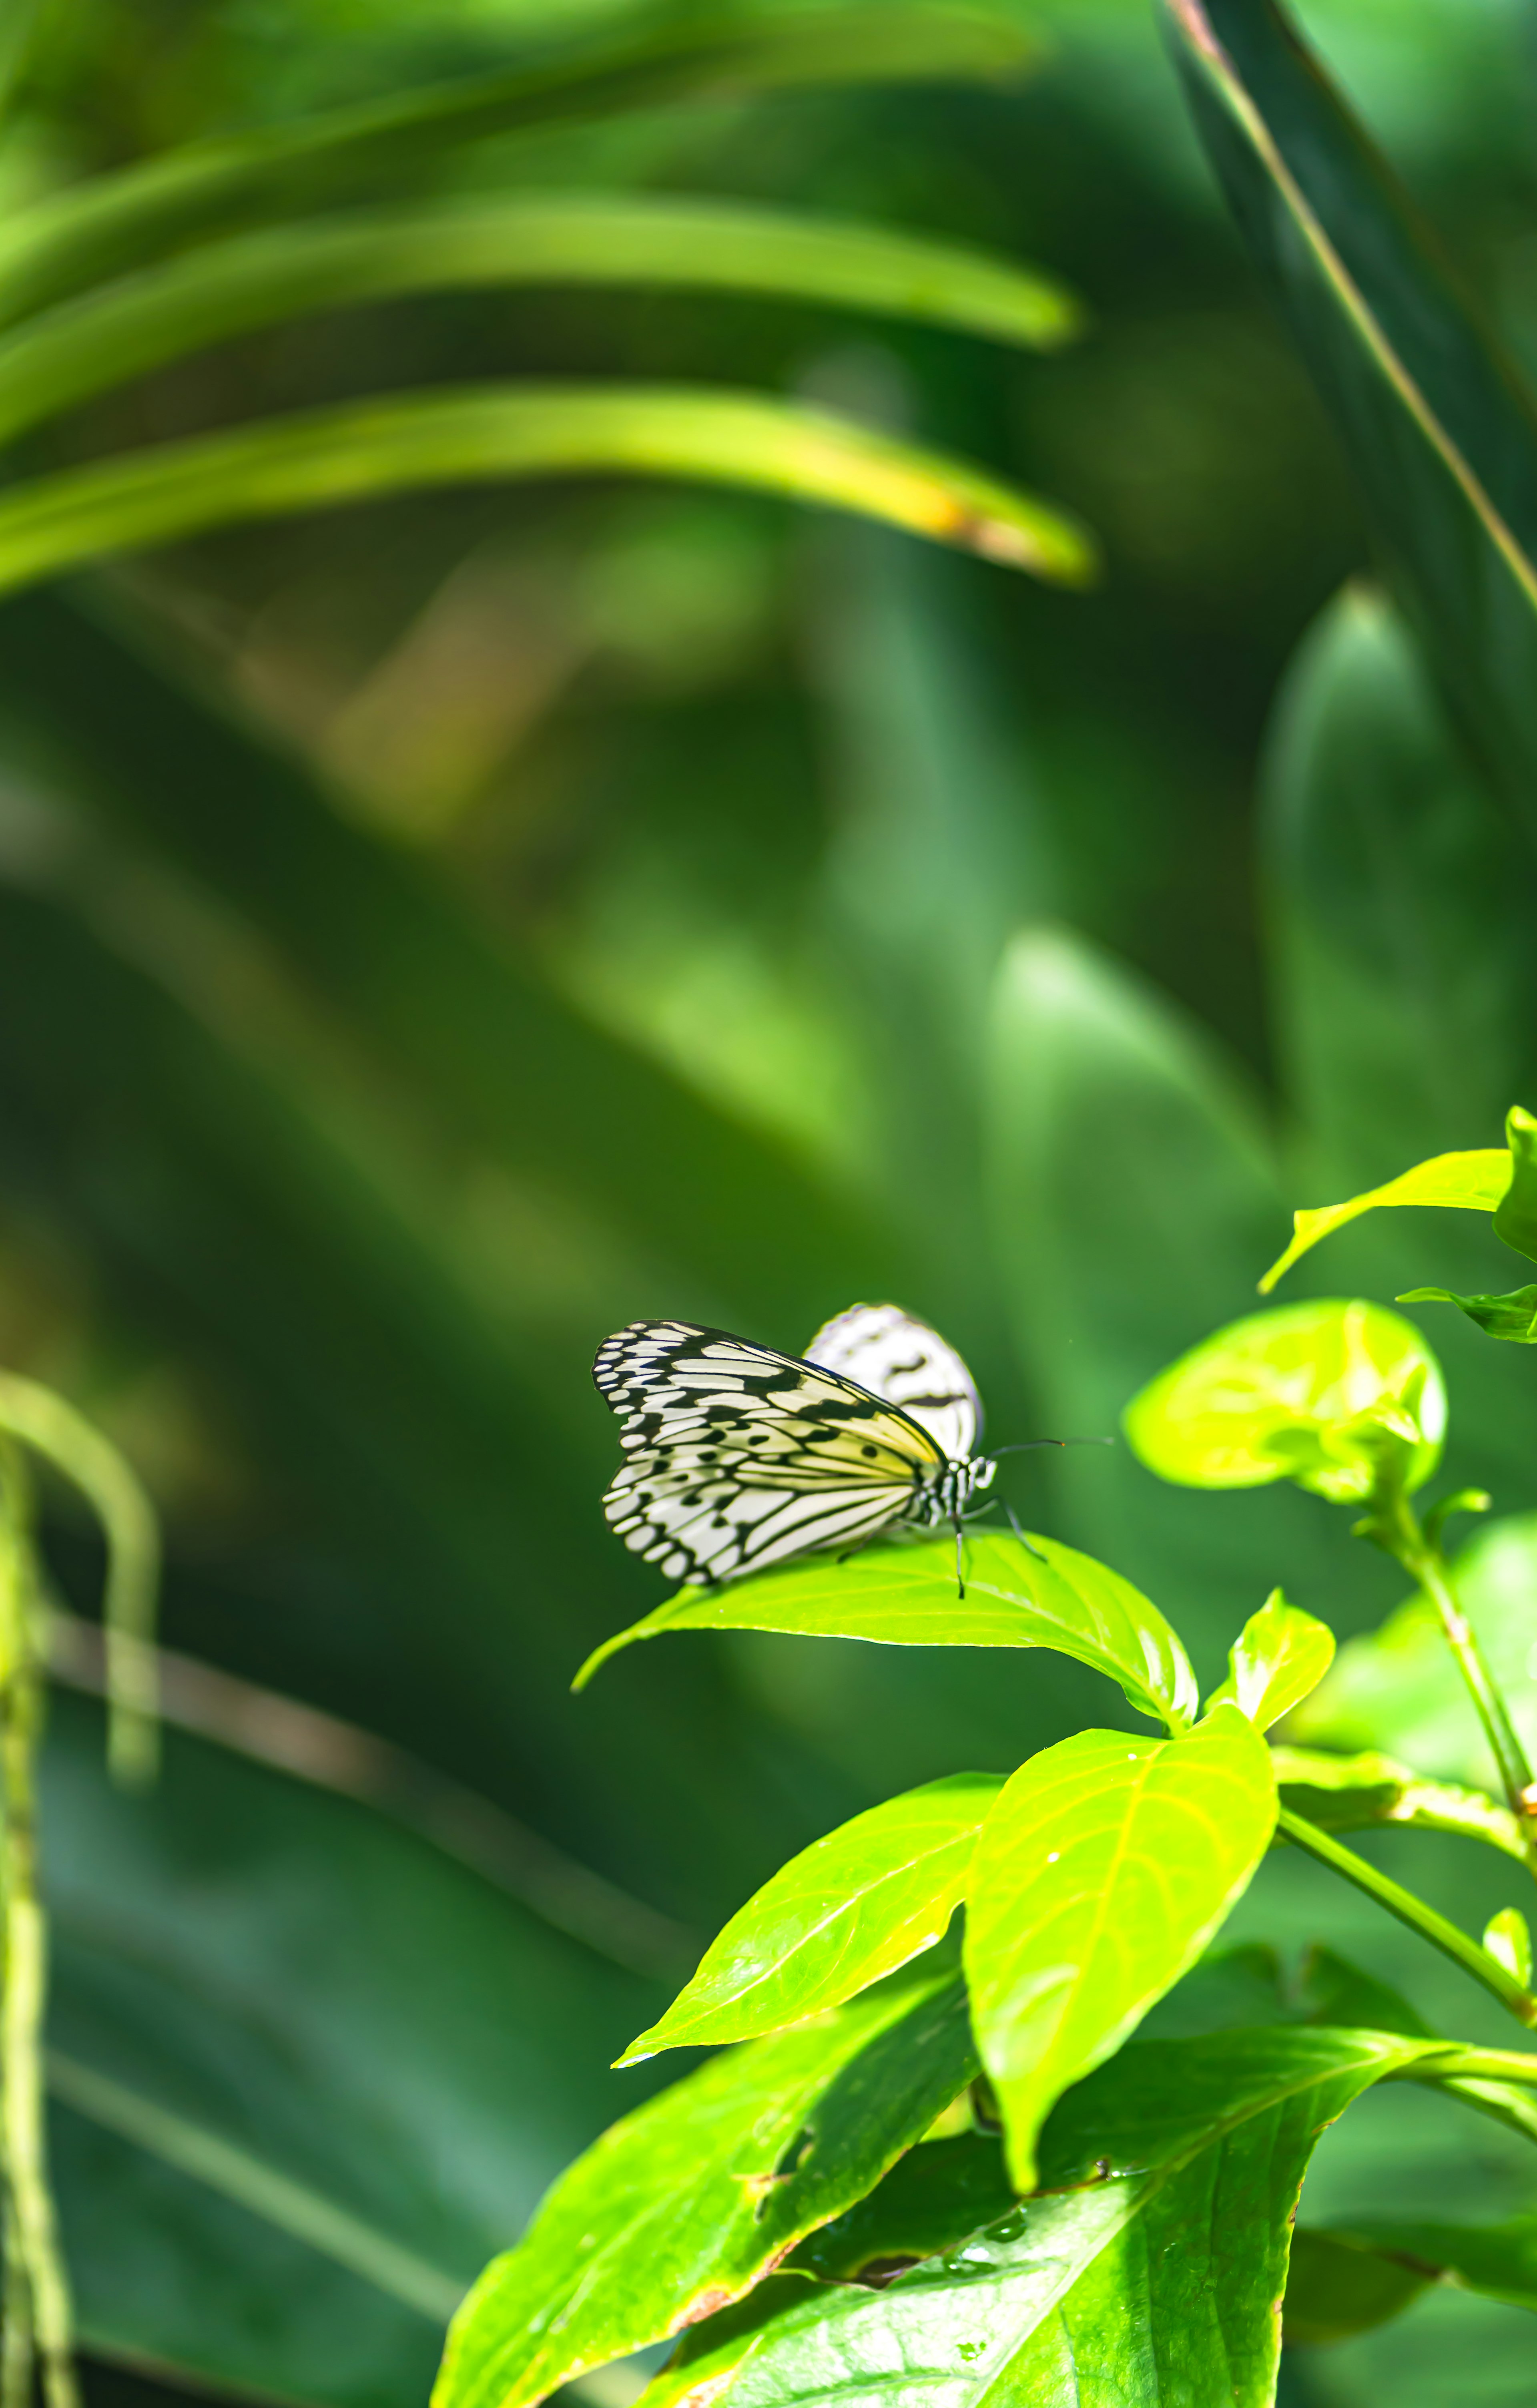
{"type": "Point", "coordinates": [847, 1910]}
{"type": "Point", "coordinates": [225, 289]}
{"type": "Point", "coordinates": [764, 2142]}
{"type": "Point", "coordinates": [1103, 1872]}
{"type": "Point", "coordinates": [1357, 2275]}
{"type": "Point", "coordinates": [320, 459]}
{"type": "Point", "coordinates": [78, 237]}
{"type": "Point", "coordinates": [1117, 2282]}
{"type": "Point", "coordinates": [1279, 1656]}
{"type": "Point", "coordinates": [1472, 1182]}
{"type": "Point", "coordinates": [1439, 427]}
{"type": "Point", "coordinates": [1337, 2288]}
{"type": "Point", "coordinates": [1048, 1596]}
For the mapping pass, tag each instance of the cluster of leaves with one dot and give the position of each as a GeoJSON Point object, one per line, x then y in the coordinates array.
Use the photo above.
{"type": "Point", "coordinates": [953, 2164]}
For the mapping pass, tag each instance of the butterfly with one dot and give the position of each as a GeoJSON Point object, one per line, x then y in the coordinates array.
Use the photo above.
{"type": "Point", "coordinates": [737, 1457]}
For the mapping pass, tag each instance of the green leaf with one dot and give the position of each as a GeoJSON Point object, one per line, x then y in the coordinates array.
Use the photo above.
{"type": "Point", "coordinates": [1278, 1657]}
{"type": "Point", "coordinates": [1389, 1689]}
{"type": "Point", "coordinates": [1473, 1183]}
{"type": "Point", "coordinates": [225, 289]}
{"type": "Point", "coordinates": [904, 1595]}
{"type": "Point", "coordinates": [1399, 902]}
{"type": "Point", "coordinates": [1436, 421]}
{"type": "Point", "coordinates": [1513, 1316]}
{"type": "Point", "coordinates": [1335, 1395]}
{"type": "Point", "coordinates": [97, 229]}
{"type": "Point", "coordinates": [1337, 2288]}
{"type": "Point", "coordinates": [709, 2354]}
{"type": "Point", "coordinates": [762, 2144]}
{"type": "Point", "coordinates": [252, 2166]}
{"type": "Point", "coordinates": [1516, 1217]}
{"type": "Point", "coordinates": [318, 459]}
{"type": "Point", "coordinates": [931, 2200]}
{"type": "Point", "coordinates": [1356, 1793]}
{"type": "Point", "coordinates": [1497, 2259]}
{"type": "Point", "coordinates": [854, 1906]}
{"type": "Point", "coordinates": [1508, 1940]}
{"type": "Point", "coordinates": [1103, 1872]}
{"type": "Point", "coordinates": [1122, 2281]}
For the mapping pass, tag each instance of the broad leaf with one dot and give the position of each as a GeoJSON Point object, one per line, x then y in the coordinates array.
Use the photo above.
{"type": "Point", "coordinates": [1439, 428]}
{"type": "Point", "coordinates": [762, 2144]}
{"type": "Point", "coordinates": [1338, 1397]}
{"type": "Point", "coordinates": [1043, 1595]}
{"type": "Point", "coordinates": [270, 2010]}
{"type": "Point", "coordinates": [852, 1907]}
{"type": "Point", "coordinates": [1472, 1182]}
{"type": "Point", "coordinates": [220, 290]}
{"type": "Point", "coordinates": [1119, 2281]}
{"type": "Point", "coordinates": [1347, 2280]}
{"type": "Point", "coordinates": [1337, 2287]}
{"type": "Point", "coordinates": [318, 459]}
{"type": "Point", "coordinates": [78, 237]}
{"type": "Point", "coordinates": [1390, 1690]}
{"type": "Point", "coordinates": [1400, 903]}
{"type": "Point", "coordinates": [1358, 1793]}
{"type": "Point", "coordinates": [1516, 1215]}
{"type": "Point", "coordinates": [1103, 1872]}
{"type": "Point", "coordinates": [1278, 1657]}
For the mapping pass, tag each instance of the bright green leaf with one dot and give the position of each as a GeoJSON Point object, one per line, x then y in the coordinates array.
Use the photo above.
{"type": "Point", "coordinates": [1336, 2288]}
{"type": "Point", "coordinates": [1278, 1657]}
{"type": "Point", "coordinates": [762, 2144]}
{"type": "Point", "coordinates": [92, 230]}
{"type": "Point", "coordinates": [1103, 1872]}
{"type": "Point", "coordinates": [1508, 1939]}
{"type": "Point", "coordinates": [322, 458]}
{"type": "Point", "coordinates": [709, 2354]}
{"type": "Point", "coordinates": [1513, 1316]}
{"type": "Point", "coordinates": [1118, 2283]}
{"type": "Point", "coordinates": [904, 1595]}
{"type": "Point", "coordinates": [1473, 1183]}
{"type": "Point", "coordinates": [1356, 1793]}
{"type": "Point", "coordinates": [852, 1907]}
{"type": "Point", "coordinates": [1338, 1397]}
{"type": "Point", "coordinates": [220, 290]}
{"type": "Point", "coordinates": [1516, 1217]}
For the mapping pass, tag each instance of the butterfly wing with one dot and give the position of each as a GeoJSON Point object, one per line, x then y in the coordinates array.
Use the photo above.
{"type": "Point", "coordinates": [907, 1364]}
{"type": "Point", "coordinates": [738, 1457]}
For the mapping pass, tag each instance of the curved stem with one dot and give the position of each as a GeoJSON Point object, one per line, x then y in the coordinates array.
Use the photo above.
{"type": "Point", "coordinates": [1397, 1530]}
{"type": "Point", "coordinates": [1412, 1910]}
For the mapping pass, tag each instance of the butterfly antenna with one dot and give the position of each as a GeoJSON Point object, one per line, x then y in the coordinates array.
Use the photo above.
{"type": "Point", "coordinates": [1023, 1445]}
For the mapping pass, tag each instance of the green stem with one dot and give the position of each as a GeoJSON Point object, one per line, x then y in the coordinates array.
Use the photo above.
{"type": "Point", "coordinates": [16, 2351]}
{"type": "Point", "coordinates": [1414, 1911]}
{"type": "Point", "coordinates": [1396, 1529]}
{"type": "Point", "coordinates": [36, 2263]}
{"type": "Point", "coordinates": [1471, 2065]}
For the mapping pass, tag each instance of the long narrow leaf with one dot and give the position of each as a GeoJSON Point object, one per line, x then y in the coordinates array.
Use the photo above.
{"type": "Point", "coordinates": [1443, 437]}
{"type": "Point", "coordinates": [318, 459]}
{"type": "Point", "coordinates": [229, 288]}
{"type": "Point", "coordinates": [63, 245]}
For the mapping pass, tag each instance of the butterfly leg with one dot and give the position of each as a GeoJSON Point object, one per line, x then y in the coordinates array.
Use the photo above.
{"type": "Point", "coordinates": [960, 1566]}
{"type": "Point", "coordinates": [1013, 1526]}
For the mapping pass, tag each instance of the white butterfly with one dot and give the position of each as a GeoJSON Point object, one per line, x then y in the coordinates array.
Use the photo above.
{"type": "Point", "coordinates": [738, 1457]}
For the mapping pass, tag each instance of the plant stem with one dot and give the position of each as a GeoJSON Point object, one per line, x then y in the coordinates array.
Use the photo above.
{"type": "Point", "coordinates": [1414, 1911]}
{"type": "Point", "coordinates": [1397, 1529]}
{"type": "Point", "coordinates": [1471, 2065]}
{"type": "Point", "coordinates": [36, 2283]}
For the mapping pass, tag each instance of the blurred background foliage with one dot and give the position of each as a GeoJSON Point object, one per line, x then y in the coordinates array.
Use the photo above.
{"type": "Point", "coordinates": [435, 933]}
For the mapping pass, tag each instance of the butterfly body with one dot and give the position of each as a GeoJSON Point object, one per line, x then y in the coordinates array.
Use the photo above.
{"type": "Point", "coordinates": [737, 1457]}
